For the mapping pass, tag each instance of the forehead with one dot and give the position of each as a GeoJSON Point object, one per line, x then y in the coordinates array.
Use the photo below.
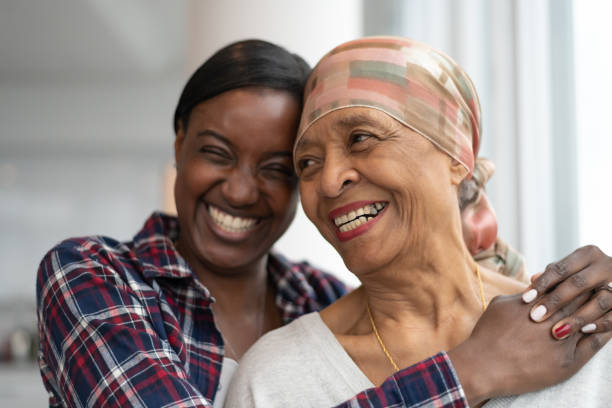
{"type": "Point", "coordinates": [342, 121]}
{"type": "Point", "coordinates": [248, 116]}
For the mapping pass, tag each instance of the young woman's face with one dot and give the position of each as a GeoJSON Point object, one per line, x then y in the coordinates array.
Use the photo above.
{"type": "Point", "coordinates": [235, 188]}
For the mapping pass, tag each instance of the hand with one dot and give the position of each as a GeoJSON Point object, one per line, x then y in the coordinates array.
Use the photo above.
{"type": "Point", "coordinates": [586, 270]}
{"type": "Point", "coordinates": [508, 354]}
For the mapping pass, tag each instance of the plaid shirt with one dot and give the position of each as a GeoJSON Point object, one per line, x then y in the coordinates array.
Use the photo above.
{"type": "Point", "coordinates": [128, 324]}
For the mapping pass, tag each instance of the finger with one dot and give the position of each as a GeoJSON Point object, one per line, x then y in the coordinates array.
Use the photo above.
{"type": "Point", "coordinates": [590, 344]}
{"type": "Point", "coordinates": [601, 325]}
{"type": "Point", "coordinates": [559, 271]}
{"type": "Point", "coordinates": [576, 284]}
{"type": "Point", "coordinates": [587, 318]}
{"type": "Point", "coordinates": [569, 309]}
{"type": "Point", "coordinates": [535, 276]}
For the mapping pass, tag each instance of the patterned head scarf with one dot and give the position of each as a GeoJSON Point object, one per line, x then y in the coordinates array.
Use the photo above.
{"type": "Point", "coordinates": [417, 85]}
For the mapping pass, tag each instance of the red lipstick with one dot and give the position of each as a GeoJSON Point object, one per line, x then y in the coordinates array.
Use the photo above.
{"type": "Point", "coordinates": [348, 235]}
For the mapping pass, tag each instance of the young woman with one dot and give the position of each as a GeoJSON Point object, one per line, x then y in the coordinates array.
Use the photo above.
{"type": "Point", "coordinates": [162, 320]}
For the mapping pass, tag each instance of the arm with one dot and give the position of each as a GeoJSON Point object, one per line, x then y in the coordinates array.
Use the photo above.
{"type": "Point", "coordinates": [429, 383]}
{"type": "Point", "coordinates": [97, 347]}
{"type": "Point", "coordinates": [507, 354]}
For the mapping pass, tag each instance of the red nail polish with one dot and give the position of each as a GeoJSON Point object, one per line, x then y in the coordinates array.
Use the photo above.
{"type": "Point", "coordinates": [562, 331]}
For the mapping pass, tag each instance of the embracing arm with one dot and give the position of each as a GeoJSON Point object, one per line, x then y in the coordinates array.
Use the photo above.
{"type": "Point", "coordinates": [429, 383]}
{"type": "Point", "coordinates": [96, 346]}
{"type": "Point", "coordinates": [507, 353]}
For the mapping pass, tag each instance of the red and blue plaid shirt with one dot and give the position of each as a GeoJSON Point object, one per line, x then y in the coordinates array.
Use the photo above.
{"type": "Point", "coordinates": [128, 324]}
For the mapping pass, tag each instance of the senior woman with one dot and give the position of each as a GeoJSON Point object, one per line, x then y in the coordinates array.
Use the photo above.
{"type": "Point", "coordinates": [390, 129]}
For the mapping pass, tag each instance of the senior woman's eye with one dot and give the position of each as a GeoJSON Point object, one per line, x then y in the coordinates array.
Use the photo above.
{"type": "Point", "coordinates": [303, 164]}
{"type": "Point", "coordinates": [358, 140]}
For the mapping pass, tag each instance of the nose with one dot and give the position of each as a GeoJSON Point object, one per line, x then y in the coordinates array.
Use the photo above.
{"type": "Point", "coordinates": [337, 174]}
{"type": "Point", "coordinates": [240, 188]}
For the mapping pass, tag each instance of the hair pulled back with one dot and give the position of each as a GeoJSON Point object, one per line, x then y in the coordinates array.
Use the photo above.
{"type": "Point", "coordinates": [247, 63]}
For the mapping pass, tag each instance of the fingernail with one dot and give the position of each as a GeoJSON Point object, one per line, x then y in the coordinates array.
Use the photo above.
{"type": "Point", "coordinates": [538, 313]}
{"type": "Point", "coordinates": [589, 328]}
{"type": "Point", "coordinates": [530, 295]}
{"type": "Point", "coordinates": [562, 331]}
{"type": "Point", "coordinates": [610, 285]}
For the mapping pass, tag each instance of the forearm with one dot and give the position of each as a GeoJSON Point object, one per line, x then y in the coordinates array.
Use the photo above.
{"type": "Point", "coordinates": [429, 383]}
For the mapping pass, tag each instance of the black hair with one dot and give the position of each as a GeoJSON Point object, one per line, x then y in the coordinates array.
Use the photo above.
{"type": "Point", "coordinates": [241, 64]}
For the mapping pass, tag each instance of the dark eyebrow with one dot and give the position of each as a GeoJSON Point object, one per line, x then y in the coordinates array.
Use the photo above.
{"type": "Point", "coordinates": [221, 138]}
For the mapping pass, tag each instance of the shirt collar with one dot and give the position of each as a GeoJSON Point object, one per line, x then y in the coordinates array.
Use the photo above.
{"type": "Point", "coordinates": [155, 248]}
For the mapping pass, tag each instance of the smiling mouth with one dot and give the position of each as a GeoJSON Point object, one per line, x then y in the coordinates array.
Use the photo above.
{"type": "Point", "coordinates": [356, 218]}
{"type": "Point", "coordinates": [230, 223]}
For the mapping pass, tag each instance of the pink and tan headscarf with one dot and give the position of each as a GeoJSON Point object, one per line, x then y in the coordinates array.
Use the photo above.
{"type": "Point", "coordinates": [423, 89]}
{"type": "Point", "coordinates": [419, 86]}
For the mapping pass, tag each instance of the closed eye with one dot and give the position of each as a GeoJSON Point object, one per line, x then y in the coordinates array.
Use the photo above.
{"type": "Point", "coordinates": [279, 170]}
{"type": "Point", "coordinates": [215, 153]}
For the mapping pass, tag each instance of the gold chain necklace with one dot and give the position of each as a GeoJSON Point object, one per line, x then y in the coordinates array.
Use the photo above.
{"type": "Point", "coordinates": [382, 345]}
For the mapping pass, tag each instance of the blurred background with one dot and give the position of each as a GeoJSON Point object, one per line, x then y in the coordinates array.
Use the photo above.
{"type": "Point", "coordinates": [88, 89]}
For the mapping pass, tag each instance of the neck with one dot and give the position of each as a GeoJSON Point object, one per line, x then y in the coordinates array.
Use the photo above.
{"type": "Point", "coordinates": [434, 287]}
{"type": "Point", "coordinates": [244, 307]}
{"type": "Point", "coordinates": [236, 290]}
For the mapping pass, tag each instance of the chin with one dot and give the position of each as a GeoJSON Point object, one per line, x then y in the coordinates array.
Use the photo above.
{"type": "Point", "coordinates": [218, 256]}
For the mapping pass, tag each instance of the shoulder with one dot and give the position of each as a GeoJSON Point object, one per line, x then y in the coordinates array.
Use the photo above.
{"type": "Point", "coordinates": [81, 267]}
{"type": "Point", "coordinates": [82, 252]}
{"type": "Point", "coordinates": [276, 366]}
{"type": "Point", "coordinates": [287, 341]}
{"type": "Point", "coordinates": [589, 387]}
{"type": "Point", "coordinates": [301, 363]}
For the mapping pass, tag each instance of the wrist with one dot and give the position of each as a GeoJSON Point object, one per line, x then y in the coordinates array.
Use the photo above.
{"type": "Point", "coordinates": [475, 377]}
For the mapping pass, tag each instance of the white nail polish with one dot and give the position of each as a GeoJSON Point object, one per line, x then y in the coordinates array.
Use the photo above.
{"type": "Point", "coordinates": [538, 313]}
{"type": "Point", "coordinates": [589, 328]}
{"type": "Point", "coordinates": [610, 285]}
{"type": "Point", "coordinates": [530, 295]}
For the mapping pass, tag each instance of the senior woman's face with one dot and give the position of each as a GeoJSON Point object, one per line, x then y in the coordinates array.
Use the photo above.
{"type": "Point", "coordinates": [374, 188]}
{"type": "Point", "coordinates": [235, 190]}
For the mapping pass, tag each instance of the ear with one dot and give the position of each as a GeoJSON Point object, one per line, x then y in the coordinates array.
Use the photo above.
{"type": "Point", "coordinates": [178, 142]}
{"type": "Point", "coordinates": [458, 172]}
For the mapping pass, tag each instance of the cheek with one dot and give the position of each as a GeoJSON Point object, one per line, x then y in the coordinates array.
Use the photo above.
{"type": "Point", "coordinates": [283, 199]}
{"type": "Point", "coordinates": [192, 180]}
{"type": "Point", "coordinates": [308, 199]}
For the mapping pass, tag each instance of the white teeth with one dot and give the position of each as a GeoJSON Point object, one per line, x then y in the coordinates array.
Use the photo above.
{"type": "Point", "coordinates": [230, 223]}
{"type": "Point", "coordinates": [355, 218]}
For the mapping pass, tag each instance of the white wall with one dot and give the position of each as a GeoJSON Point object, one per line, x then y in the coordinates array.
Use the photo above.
{"type": "Point", "coordinates": [594, 87]}
{"type": "Point", "coordinates": [77, 159]}
{"type": "Point", "coordinates": [87, 96]}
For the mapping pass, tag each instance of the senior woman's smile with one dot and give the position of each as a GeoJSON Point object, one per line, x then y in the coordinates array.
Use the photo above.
{"type": "Point", "coordinates": [356, 218]}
